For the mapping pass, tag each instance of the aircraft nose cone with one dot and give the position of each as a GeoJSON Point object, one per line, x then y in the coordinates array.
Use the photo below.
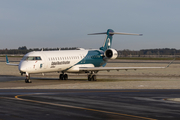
{"type": "Point", "coordinates": [22, 68]}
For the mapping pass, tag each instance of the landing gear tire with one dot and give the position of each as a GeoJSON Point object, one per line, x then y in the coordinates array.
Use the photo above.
{"type": "Point", "coordinates": [63, 76]}
{"type": "Point", "coordinates": [92, 77]}
{"type": "Point", "coordinates": [28, 81]}
{"type": "Point", "coordinates": [89, 77]}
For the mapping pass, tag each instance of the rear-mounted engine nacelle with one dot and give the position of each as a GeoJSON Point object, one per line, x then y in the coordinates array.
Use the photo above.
{"type": "Point", "coordinates": [111, 53]}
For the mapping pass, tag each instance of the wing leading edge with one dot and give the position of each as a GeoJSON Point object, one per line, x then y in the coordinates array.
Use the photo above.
{"type": "Point", "coordinates": [120, 68]}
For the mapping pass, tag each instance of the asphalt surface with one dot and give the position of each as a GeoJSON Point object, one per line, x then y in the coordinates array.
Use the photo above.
{"type": "Point", "coordinates": [84, 104]}
{"type": "Point", "coordinates": [89, 104]}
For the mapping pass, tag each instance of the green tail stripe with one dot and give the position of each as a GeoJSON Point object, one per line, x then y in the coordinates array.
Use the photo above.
{"type": "Point", "coordinates": [108, 41]}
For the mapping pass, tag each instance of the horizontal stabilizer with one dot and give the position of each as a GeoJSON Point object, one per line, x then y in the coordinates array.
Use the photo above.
{"type": "Point", "coordinates": [98, 33]}
{"type": "Point", "coordinates": [125, 33]}
{"type": "Point", "coordinates": [112, 33]}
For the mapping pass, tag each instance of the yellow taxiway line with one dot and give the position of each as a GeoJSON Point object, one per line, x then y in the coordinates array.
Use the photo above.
{"type": "Point", "coordinates": [82, 108]}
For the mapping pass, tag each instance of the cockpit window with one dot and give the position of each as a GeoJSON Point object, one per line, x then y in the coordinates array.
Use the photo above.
{"type": "Point", "coordinates": [37, 58]}
{"type": "Point", "coordinates": [32, 58]}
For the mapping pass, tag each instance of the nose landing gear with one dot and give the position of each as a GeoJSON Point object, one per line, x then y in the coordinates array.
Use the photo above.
{"type": "Point", "coordinates": [27, 80]}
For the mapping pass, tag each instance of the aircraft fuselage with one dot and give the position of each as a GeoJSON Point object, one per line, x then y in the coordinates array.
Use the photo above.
{"type": "Point", "coordinates": [62, 60]}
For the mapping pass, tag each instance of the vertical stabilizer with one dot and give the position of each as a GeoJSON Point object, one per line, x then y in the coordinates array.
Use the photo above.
{"type": "Point", "coordinates": [108, 40]}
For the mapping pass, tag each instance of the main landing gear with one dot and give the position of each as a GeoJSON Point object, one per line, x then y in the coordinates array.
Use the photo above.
{"type": "Point", "coordinates": [27, 80]}
{"type": "Point", "coordinates": [63, 76]}
{"type": "Point", "coordinates": [91, 77]}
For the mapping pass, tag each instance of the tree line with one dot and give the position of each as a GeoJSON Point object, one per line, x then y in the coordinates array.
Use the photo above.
{"type": "Point", "coordinates": [125, 52]}
{"type": "Point", "coordinates": [160, 51]}
{"type": "Point", "coordinates": [24, 50]}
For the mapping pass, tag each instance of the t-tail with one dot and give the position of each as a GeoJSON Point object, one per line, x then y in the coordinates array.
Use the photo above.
{"type": "Point", "coordinates": [109, 35]}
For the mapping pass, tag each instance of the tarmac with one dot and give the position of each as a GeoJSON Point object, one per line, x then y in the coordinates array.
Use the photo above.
{"type": "Point", "coordinates": [73, 104]}
{"type": "Point", "coordinates": [168, 78]}
{"type": "Point", "coordinates": [147, 94]}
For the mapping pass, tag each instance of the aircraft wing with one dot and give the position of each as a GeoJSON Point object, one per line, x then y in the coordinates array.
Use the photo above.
{"type": "Point", "coordinates": [119, 68]}
{"type": "Point", "coordinates": [7, 62]}
{"type": "Point", "coordinates": [115, 68]}
{"type": "Point", "coordinates": [12, 64]}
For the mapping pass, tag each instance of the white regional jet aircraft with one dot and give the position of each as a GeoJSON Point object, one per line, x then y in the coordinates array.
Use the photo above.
{"type": "Point", "coordinates": [73, 61]}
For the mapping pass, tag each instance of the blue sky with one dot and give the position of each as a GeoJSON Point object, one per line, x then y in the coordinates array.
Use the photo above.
{"type": "Point", "coordinates": [66, 23]}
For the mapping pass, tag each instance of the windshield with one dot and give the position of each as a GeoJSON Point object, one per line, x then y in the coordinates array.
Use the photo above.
{"type": "Point", "coordinates": [31, 58]}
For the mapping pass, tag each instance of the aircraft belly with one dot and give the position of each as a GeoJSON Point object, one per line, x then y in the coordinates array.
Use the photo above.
{"type": "Point", "coordinates": [76, 67]}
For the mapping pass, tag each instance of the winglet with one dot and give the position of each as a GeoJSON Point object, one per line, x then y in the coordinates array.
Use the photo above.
{"type": "Point", "coordinates": [7, 61]}
{"type": "Point", "coordinates": [170, 62]}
